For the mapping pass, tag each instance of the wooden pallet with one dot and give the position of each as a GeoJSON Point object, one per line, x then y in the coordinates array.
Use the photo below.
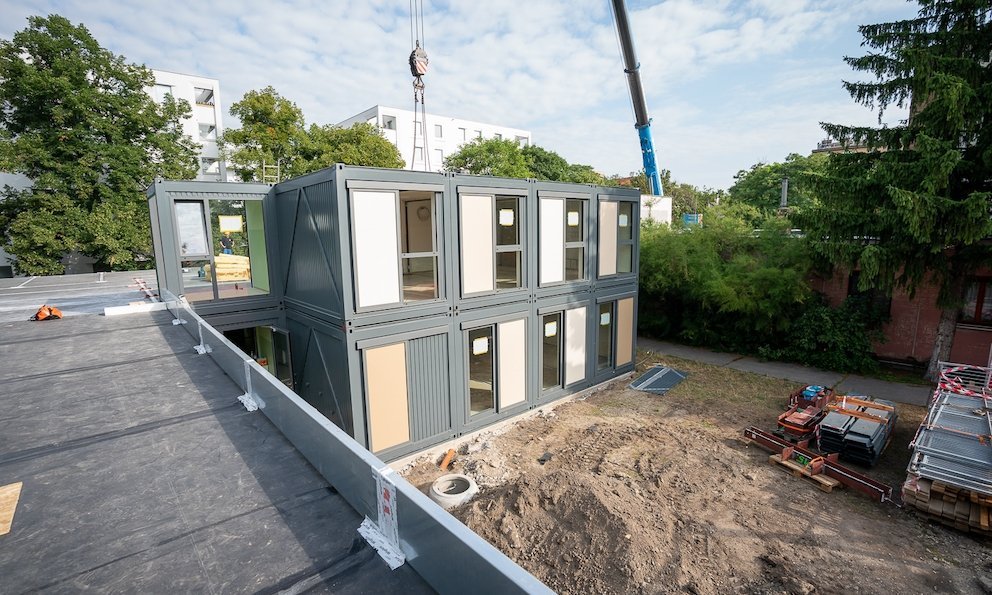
{"type": "Point", "coordinates": [821, 481]}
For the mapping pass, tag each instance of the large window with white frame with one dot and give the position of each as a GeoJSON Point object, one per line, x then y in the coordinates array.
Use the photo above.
{"type": "Point", "coordinates": [562, 240]}
{"type": "Point", "coordinates": [562, 346]}
{"type": "Point", "coordinates": [492, 246]}
{"type": "Point", "coordinates": [222, 248]}
{"type": "Point", "coordinates": [615, 333]}
{"type": "Point", "coordinates": [394, 247]}
{"type": "Point", "coordinates": [617, 220]}
{"type": "Point", "coordinates": [497, 366]}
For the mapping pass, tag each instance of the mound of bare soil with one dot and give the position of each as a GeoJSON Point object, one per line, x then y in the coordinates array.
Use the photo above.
{"type": "Point", "coordinates": [597, 534]}
{"type": "Point", "coordinates": [631, 493]}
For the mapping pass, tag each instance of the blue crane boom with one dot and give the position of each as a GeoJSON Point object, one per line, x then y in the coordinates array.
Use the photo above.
{"type": "Point", "coordinates": [641, 120]}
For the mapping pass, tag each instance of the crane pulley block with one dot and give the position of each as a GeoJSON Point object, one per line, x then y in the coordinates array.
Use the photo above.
{"type": "Point", "coordinates": [418, 61]}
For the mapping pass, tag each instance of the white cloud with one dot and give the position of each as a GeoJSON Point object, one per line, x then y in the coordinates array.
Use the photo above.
{"type": "Point", "coordinates": [552, 66]}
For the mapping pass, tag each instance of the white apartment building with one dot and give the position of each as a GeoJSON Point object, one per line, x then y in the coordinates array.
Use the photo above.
{"type": "Point", "coordinates": [206, 123]}
{"type": "Point", "coordinates": [424, 147]}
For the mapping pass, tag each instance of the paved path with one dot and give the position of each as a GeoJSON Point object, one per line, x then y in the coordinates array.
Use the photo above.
{"type": "Point", "coordinates": [845, 383]}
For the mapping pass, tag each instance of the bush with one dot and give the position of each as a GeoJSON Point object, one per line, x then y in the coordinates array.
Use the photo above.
{"type": "Point", "coordinates": [832, 338]}
{"type": "Point", "coordinates": [722, 284]}
{"type": "Point", "coordinates": [729, 286]}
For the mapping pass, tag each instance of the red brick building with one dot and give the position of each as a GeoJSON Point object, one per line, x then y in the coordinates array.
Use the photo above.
{"type": "Point", "coordinates": [910, 333]}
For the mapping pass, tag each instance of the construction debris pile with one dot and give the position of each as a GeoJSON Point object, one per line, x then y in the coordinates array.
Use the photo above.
{"type": "Point", "coordinates": [858, 428]}
{"type": "Point", "coordinates": [805, 411]}
{"type": "Point", "coordinates": [950, 472]}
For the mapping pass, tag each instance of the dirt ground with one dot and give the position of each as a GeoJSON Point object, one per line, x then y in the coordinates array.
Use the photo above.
{"type": "Point", "coordinates": [644, 494]}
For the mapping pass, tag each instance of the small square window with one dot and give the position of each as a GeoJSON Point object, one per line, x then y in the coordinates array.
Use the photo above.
{"type": "Point", "coordinates": [462, 134]}
{"type": "Point", "coordinates": [478, 134]}
{"type": "Point", "coordinates": [438, 131]}
{"type": "Point", "coordinates": [160, 91]}
{"type": "Point", "coordinates": [499, 136]}
{"type": "Point", "coordinates": [209, 166]}
{"type": "Point", "coordinates": [204, 96]}
{"type": "Point", "coordinates": [389, 122]}
{"type": "Point", "coordinates": [208, 132]}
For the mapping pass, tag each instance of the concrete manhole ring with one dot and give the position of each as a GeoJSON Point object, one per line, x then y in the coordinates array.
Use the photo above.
{"type": "Point", "coordinates": [453, 489]}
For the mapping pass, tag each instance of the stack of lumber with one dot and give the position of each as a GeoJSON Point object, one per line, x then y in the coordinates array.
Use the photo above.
{"type": "Point", "coordinates": [230, 267]}
{"type": "Point", "coordinates": [963, 509]}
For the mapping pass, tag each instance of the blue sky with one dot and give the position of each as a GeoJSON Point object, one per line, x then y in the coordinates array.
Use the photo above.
{"type": "Point", "coordinates": [728, 83]}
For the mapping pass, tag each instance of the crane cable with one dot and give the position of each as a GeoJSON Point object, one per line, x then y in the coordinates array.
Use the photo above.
{"type": "Point", "coordinates": [418, 68]}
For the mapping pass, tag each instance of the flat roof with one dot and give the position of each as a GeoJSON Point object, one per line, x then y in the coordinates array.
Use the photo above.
{"type": "Point", "coordinates": [142, 471]}
{"type": "Point", "coordinates": [85, 293]}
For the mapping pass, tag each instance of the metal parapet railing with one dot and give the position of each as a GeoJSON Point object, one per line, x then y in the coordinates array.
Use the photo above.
{"type": "Point", "coordinates": [446, 553]}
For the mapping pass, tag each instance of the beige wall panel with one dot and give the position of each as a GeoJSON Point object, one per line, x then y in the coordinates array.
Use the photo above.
{"type": "Point", "coordinates": [625, 331]}
{"type": "Point", "coordinates": [607, 239]}
{"type": "Point", "coordinates": [575, 345]}
{"type": "Point", "coordinates": [552, 240]}
{"type": "Point", "coordinates": [385, 390]}
{"type": "Point", "coordinates": [375, 245]}
{"type": "Point", "coordinates": [512, 363]}
{"type": "Point", "coordinates": [477, 243]}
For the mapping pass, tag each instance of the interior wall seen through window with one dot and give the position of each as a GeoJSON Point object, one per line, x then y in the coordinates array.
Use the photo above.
{"type": "Point", "coordinates": [418, 245]}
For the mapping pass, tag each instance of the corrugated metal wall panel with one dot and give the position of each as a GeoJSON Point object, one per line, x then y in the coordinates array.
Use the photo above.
{"type": "Point", "coordinates": [286, 204]}
{"type": "Point", "coordinates": [427, 382]}
{"type": "Point", "coordinates": [323, 380]}
{"type": "Point", "coordinates": [313, 267]}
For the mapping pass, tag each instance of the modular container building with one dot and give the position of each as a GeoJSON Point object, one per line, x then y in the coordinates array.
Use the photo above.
{"type": "Point", "coordinates": [410, 307]}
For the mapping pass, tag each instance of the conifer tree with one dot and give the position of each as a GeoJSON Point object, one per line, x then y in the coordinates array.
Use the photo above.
{"type": "Point", "coordinates": [915, 208]}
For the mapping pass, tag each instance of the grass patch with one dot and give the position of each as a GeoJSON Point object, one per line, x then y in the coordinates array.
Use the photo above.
{"type": "Point", "coordinates": [900, 375]}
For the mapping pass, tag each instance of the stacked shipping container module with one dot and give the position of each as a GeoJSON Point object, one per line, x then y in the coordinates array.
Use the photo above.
{"type": "Point", "coordinates": [423, 306]}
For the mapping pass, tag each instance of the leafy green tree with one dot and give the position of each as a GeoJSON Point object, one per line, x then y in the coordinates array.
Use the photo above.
{"type": "Point", "coordinates": [916, 208]}
{"type": "Point", "coordinates": [544, 164]}
{"type": "Point", "coordinates": [489, 157]}
{"type": "Point", "coordinates": [761, 185]}
{"type": "Point", "coordinates": [76, 119]}
{"type": "Point", "coordinates": [583, 174]}
{"type": "Point", "coordinates": [274, 133]}
{"type": "Point", "coordinates": [686, 198]}
{"type": "Point", "coordinates": [362, 144]}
